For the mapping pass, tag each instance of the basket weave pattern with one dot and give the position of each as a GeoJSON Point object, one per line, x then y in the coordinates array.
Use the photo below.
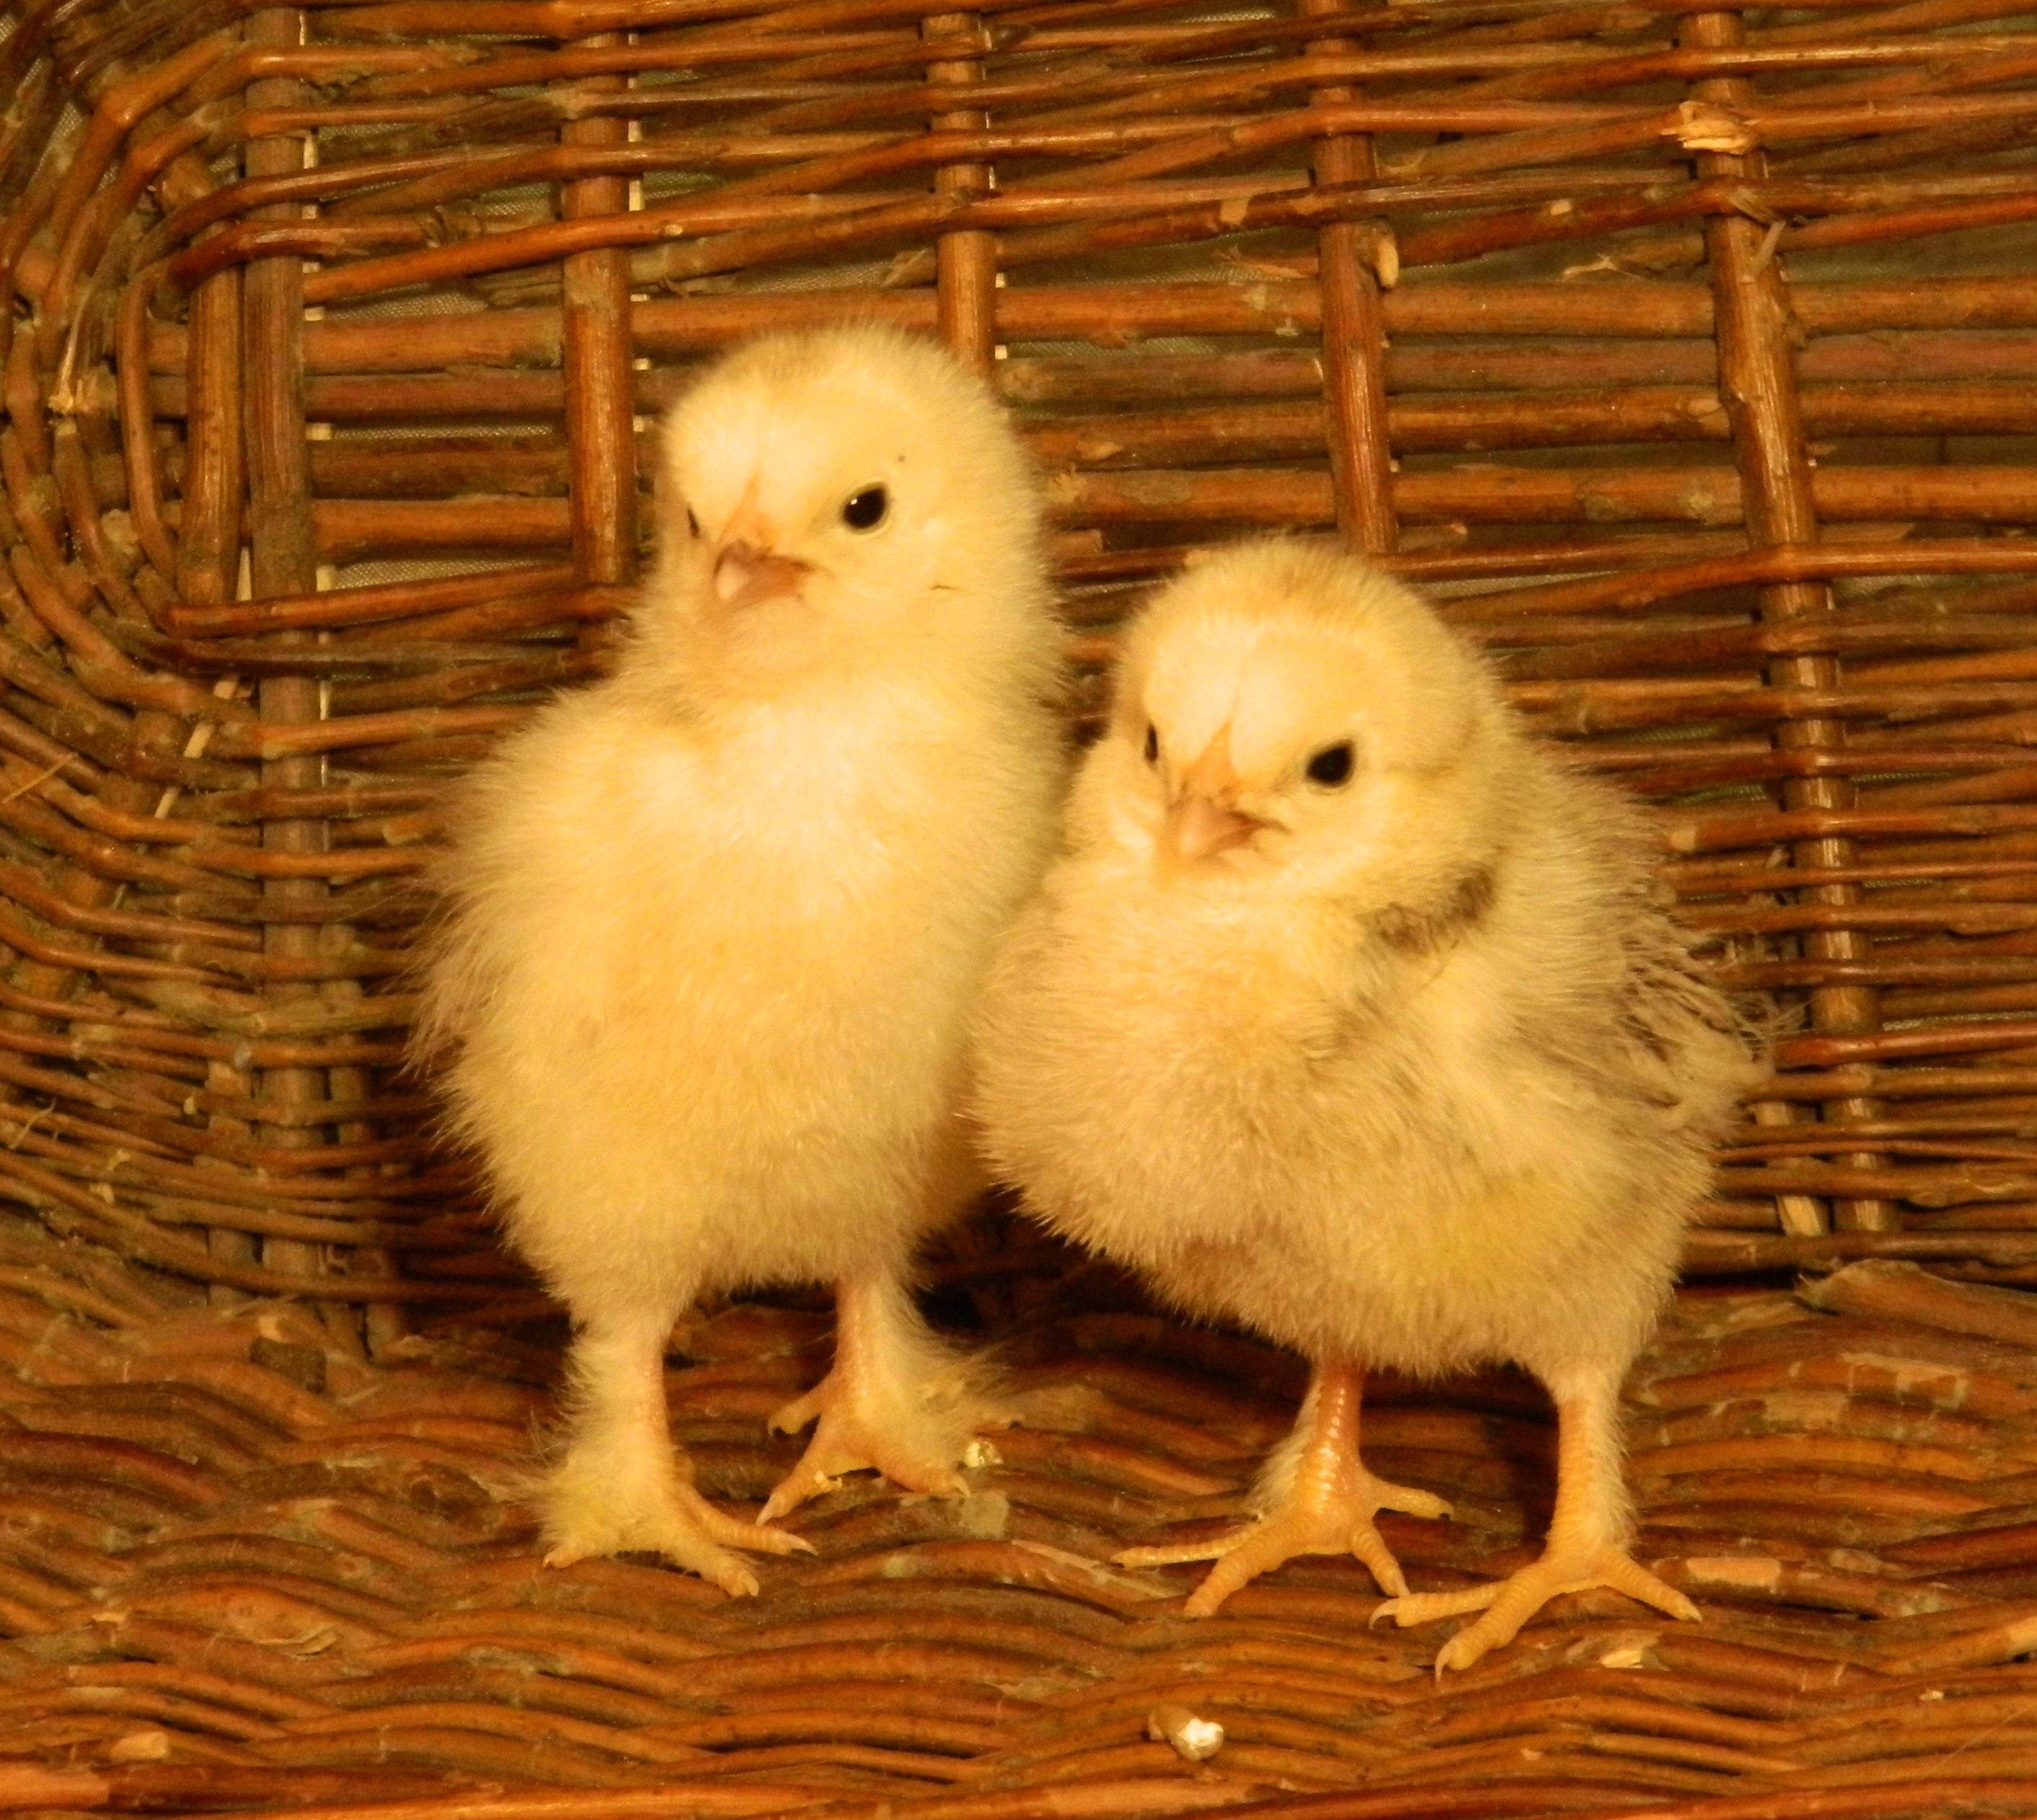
{"type": "Point", "coordinates": [1690, 355]}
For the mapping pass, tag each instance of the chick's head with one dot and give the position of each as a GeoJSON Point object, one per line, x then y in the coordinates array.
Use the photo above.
{"type": "Point", "coordinates": [843, 489]}
{"type": "Point", "coordinates": [1287, 716]}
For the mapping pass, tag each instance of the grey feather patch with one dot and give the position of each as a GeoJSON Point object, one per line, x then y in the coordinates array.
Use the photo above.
{"type": "Point", "coordinates": [1412, 930]}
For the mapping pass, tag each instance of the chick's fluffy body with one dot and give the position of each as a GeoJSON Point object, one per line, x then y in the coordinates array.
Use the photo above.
{"type": "Point", "coordinates": [720, 918]}
{"type": "Point", "coordinates": [717, 922]}
{"type": "Point", "coordinates": [721, 1045]}
{"type": "Point", "coordinates": [1418, 1076]}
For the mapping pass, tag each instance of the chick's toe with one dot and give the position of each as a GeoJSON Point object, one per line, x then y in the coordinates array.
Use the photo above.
{"type": "Point", "coordinates": [848, 1439]}
{"type": "Point", "coordinates": [895, 1399]}
{"type": "Point", "coordinates": [1321, 1501]}
{"type": "Point", "coordinates": [1584, 1550]}
{"type": "Point", "coordinates": [584, 1519]}
{"type": "Point", "coordinates": [1507, 1604]}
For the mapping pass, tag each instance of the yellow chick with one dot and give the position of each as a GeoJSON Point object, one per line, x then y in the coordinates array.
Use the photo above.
{"type": "Point", "coordinates": [1345, 1014]}
{"type": "Point", "coordinates": [717, 923]}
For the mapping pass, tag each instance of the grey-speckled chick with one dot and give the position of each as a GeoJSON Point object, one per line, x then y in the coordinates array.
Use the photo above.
{"type": "Point", "coordinates": [1346, 1012]}
{"type": "Point", "coordinates": [717, 924]}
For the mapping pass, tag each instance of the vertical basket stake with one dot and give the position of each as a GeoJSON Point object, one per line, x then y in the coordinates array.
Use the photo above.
{"type": "Point", "coordinates": [965, 262]}
{"type": "Point", "coordinates": [1758, 379]}
{"type": "Point", "coordinates": [1353, 337]}
{"type": "Point", "coordinates": [209, 549]}
{"type": "Point", "coordinates": [601, 434]}
{"type": "Point", "coordinates": [282, 560]}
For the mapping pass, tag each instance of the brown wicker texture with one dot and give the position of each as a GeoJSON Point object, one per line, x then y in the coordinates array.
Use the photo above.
{"type": "Point", "coordinates": [1692, 353]}
{"type": "Point", "coordinates": [245, 1570]}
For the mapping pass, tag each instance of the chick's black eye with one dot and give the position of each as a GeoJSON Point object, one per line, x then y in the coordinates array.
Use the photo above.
{"type": "Point", "coordinates": [1331, 767]}
{"type": "Point", "coordinates": [864, 509]}
{"type": "Point", "coordinates": [1152, 744]}
{"type": "Point", "coordinates": [693, 524]}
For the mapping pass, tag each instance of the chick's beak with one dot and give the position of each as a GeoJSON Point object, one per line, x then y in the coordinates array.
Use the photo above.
{"type": "Point", "coordinates": [1203, 817]}
{"type": "Point", "coordinates": [747, 568]}
{"type": "Point", "coordinates": [744, 575]}
{"type": "Point", "coordinates": [1196, 827]}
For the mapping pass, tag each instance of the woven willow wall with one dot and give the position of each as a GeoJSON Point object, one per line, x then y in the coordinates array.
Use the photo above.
{"type": "Point", "coordinates": [1693, 352]}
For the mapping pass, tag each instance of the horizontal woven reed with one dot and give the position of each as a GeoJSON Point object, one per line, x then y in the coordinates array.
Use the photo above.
{"type": "Point", "coordinates": [249, 1573]}
{"type": "Point", "coordinates": [1687, 352]}
{"type": "Point", "coordinates": [274, 1579]}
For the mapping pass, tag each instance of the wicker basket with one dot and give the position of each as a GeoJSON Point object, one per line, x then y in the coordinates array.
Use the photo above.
{"type": "Point", "coordinates": [1690, 355]}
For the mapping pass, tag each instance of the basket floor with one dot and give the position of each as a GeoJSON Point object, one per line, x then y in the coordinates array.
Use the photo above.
{"type": "Point", "coordinates": [242, 1571]}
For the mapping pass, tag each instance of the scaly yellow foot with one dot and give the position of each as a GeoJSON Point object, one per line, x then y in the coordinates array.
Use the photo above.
{"type": "Point", "coordinates": [853, 1439]}
{"type": "Point", "coordinates": [894, 1400]}
{"type": "Point", "coordinates": [1584, 1548]}
{"type": "Point", "coordinates": [1308, 1523]}
{"type": "Point", "coordinates": [583, 1519]}
{"type": "Point", "coordinates": [1508, 1604]}
{"type": "Point", "coordinates": [622, 1486]}
{"type": "Point", "coordinates": [1326, 1509]}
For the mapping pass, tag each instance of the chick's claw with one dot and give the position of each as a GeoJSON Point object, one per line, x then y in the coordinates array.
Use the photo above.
{"type": "Point", "coordinates": [695, 1551]}
{"type": "Point", "coordinates": [1314, 1520]}
{"type": "Point", "coordinates": [895, 1399]}
{"type": "Point", "coordinates": [1507, 1604]}
{"type": "Point", "coordinates": [851, 1438]}
{"type": "Point", "coordinates": [801, 1412]}
{"type": "Point", "coordinates": [673, 1520]}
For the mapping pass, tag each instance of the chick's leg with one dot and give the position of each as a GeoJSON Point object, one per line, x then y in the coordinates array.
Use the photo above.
{"type": "Point", "coordinates": [1326, 1506]}
{"type": "Point", "coordinates": [1587, 1541]}
{"type": "Point", "coordinates": [895, 1399]}
{"type": "Point", "coordinates": [621, 1486]}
